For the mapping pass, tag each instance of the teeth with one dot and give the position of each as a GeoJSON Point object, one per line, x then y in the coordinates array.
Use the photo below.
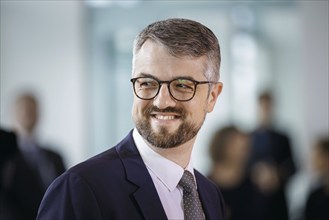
{"type": "Point", "coordinates": [165, 117]}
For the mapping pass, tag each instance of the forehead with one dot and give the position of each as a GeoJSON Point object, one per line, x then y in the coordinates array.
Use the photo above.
{"type": "Point", "coordinates": [154, 59]}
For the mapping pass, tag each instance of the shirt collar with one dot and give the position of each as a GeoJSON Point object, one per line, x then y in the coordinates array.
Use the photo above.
{"type": "Point", "coordinates": [168, 172]}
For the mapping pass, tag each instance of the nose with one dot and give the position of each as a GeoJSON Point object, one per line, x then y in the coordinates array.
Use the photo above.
{"type": "Point", "coordinates": [164, 99]}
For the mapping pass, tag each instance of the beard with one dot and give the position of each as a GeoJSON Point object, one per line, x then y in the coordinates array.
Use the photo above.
{"type": "Point", "coordinates": [163, 138]}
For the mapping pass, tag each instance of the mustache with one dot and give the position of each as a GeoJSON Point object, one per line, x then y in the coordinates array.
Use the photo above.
{"type": "Point", "coordinates": [153, 108]}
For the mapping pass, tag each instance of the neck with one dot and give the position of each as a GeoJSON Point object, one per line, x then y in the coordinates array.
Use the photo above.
{"type": "Point", "coordinates": [22, 132]}
{"type": "Point", "coordinates": [265, 123]}
{"type": "Point", "coordinates": [180, 155]}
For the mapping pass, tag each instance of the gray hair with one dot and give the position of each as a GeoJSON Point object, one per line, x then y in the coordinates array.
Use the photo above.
{"type": "Point", "coordinates": [183, 37]}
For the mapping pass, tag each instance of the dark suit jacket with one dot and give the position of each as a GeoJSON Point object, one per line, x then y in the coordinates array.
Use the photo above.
{"type": "Point", "coordinates": [273, 147]}
{"type": "Point", "coordinates": [20, 191]}
{"type": "Point", "coordinates": [269, 145]}
{"type": "Point", "coordinates": [47, 165]}
{"type": "Point", "coordinates": [116, 185]}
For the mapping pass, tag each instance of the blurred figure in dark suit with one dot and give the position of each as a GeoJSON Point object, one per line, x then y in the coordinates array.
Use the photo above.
{"type": "Point", "coordinates": [271, 163]}
{"type": "Point", "coordinates": [20, 191]}
{"type": "Point", "coordinates": [45, 163]}
{"type": "Point", "coordinates": [317, 204]}
{"type": "Point", "coordinates": [229, 150]}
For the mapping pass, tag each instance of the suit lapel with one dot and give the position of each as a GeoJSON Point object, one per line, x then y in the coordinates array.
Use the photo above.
{"type": "Point", "coordinates": [146, 195]}
{"type": "Point", "coordinates": [210, 207]}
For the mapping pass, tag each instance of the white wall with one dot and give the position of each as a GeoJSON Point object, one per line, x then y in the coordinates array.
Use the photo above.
{"type": "Point", "coordinates": [42, 51]}
{"type": "Point", "coordinates": [310, 119]}
{"type": "Point", "coordinates": [315, 61]}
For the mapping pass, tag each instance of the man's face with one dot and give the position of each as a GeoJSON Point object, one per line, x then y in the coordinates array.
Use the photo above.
{"type": "Point", "coordinates": [163, 121]}
{"type": "Point", "coordinates": [26, 114]}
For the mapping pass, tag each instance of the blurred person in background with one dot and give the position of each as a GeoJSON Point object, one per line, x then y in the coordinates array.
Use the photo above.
{"type": "Point", "coordinates": [317, 204]}
{"type": "Point", "coordinates": [150, 173]}
{"type": "Point", "coordinates": [20, 191]}
{"type": "Point", "coordinates": [271, 162]}
{"type": "Point", "coordinates": [45, 163]}
{"type": "Point", "coordinates": [229, 150]}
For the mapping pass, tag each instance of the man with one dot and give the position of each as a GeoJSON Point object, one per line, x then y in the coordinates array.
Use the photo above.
{"type": "Point", "coordinates": [271, 163]}
{"type": "Point", "coordinates": [229, 150]}
{"type": "Point", "coordinates": [318, 200]}
{"type": "Point", "coordinates": [45, 163]}
{"type": "Point", "coordinates": [175, 81]}
{"type": "Point", "coordinates": [20, 192]}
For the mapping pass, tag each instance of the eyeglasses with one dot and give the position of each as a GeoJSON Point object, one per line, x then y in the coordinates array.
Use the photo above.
{"type": "Point", "coordinates": [180, 89]}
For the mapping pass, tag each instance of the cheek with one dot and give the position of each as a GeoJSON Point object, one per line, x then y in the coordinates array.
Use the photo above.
{"type": "Point", "coordinates": [198, 111]}
{"type": "Point", "coordinates": [138, 107]}
{"type": "Point", "coordinates": [135, 109]}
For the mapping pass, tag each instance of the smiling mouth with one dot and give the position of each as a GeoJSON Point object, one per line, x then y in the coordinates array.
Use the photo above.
{"type": "Point", "coordinates": [165, 117]}
{"type": "Point", "coordinates": [167, 114]}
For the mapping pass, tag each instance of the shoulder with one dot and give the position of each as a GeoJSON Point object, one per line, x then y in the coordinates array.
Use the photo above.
{"type": "Point", "coordinates": [88, 183]}
{"type": "Point", "coordinates": [49, 153]}
{"type": "Point", "coordinates": [8, 143]}
{"type": "Point", "coordinates": [105, 166]}
{"type": "Point", "coordinates": [93, 188]}
{"type": "Point", "coordinates": [317, 193]}
{"type": "Point", "coordinates": [93, 171]}
{"type": "Point", "coordinates": [101, 164]}
{"type": "Point", "coordinates": [51, 157]}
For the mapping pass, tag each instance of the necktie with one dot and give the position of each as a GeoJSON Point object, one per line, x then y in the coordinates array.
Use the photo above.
{"type": "Point", "coordinates": [192, 205]}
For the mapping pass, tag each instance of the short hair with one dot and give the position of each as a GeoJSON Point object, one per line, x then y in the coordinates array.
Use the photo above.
{"type": "Point", "coordinates": [266, 96]}
{"type": "Point", "coordinates": [220, 141]}
{"type": "Point", "coordinates": [184, 37]}
{"type": "Point", "coordinates": [27, 97]}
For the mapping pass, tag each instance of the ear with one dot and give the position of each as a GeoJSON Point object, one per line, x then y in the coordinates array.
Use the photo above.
{"type": "Point", "coordinates": [216, 89]}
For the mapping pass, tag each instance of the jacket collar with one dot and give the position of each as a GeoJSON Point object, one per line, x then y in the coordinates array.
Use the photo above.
{"type": "Point", "coordinates": [146, 195]}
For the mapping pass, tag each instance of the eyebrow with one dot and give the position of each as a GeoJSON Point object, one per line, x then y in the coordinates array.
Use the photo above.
{"type": "Point", "coordinates": [179, 77]}
{"type": "Point", "coordinates": [147, 75]}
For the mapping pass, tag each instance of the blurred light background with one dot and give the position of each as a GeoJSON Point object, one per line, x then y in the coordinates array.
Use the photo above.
{"type": "Point", "coordinates": [76, 56]}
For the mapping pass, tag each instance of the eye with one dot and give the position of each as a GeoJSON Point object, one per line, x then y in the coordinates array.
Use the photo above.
{"type": "Point", "coordinates": [147, 83]}
{"type": "Point", "coordinates": [183, 85]}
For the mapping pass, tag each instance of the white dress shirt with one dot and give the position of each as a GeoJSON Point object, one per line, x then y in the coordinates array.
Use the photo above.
{"type": "Point", "coordinates": [165, 175]}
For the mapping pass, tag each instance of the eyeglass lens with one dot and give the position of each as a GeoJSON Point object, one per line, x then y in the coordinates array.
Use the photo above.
{"type": "Point", "coordinates": [180, 89]}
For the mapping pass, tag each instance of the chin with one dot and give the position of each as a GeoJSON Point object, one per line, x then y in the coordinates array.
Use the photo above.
{"type": "Point", "coordinates": [160, 130]}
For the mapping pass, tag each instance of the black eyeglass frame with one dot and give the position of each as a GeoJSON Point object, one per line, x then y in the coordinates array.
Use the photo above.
{"type": "Point", "coordinates": [160, 82]}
